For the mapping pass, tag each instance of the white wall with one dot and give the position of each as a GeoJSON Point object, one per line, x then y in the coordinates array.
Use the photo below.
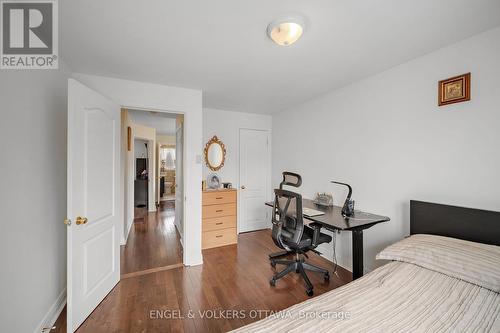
{"type": "Point", "coordinates": [165, 139]}
{"type": "Point", "coordinates": [139, 136]}
{"type": "Point", "coordinates": [387, 137]}
{"type": "Point", "coordinates": [33, 197]}
{"type": "Point", "coordinates": [140, 150]}
{"type": "Point", "coordinates": [226, 125]}
{"type": "Point", "coordinates": [140, 95]}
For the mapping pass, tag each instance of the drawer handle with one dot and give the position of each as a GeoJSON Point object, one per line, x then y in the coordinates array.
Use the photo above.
{"type": "Point", "coordinates": [218, 236]}
{"type": "Point", "coordinates": [219, 223]}
{"type": "Point", "coordinates": [219, 210]}
{"type": "Point", "coordinates": [219, 198]}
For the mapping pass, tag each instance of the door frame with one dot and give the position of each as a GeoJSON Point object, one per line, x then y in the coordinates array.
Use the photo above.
{"type": "Point", "coordinates": [151, 180]}
{"type": "Point", "coordinates": [180, 126]}
{"type": "Point", "coordinates": [268, 173]}
{"type": "Point", "coordinates": [122, 188]}
{"type": "Point", "coordinates": [158, 97]}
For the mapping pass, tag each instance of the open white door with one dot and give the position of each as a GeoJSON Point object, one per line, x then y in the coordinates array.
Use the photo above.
{"type": "Point", "coordinates": [254, 174]}
{"type": "Point", "coordinates": [93, 201]}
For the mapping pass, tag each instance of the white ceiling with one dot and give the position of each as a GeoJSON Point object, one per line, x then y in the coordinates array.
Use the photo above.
{"type": "Point", "coordinates": [221, 47]}
{"type": "Point", "coordinates": [164, 123]}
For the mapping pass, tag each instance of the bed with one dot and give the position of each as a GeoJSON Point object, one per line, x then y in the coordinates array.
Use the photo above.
{"type": "Point", "coordinates": [445, 277]}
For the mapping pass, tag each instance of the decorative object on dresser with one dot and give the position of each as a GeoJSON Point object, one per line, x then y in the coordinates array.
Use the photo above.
{"type": "Point", "coordinates": [454, 90]}
{"type": "Point", "coordinates": [219, 218]}
{"type": "Point", "coordinates": [215, 153]}
{"type": "Point", "coordinates": [213, 181]}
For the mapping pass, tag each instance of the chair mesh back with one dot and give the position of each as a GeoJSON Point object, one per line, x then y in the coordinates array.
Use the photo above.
{"type": "Point", "coordinates": [291, 179]}
{"type": "Point", "coordinates": [288, 224]}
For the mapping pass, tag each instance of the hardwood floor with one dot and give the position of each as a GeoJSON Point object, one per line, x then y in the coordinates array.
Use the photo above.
{"type": "Point", "coordinates": [234, 277]}
{"type": "Point", "coordinates": [153, 241]}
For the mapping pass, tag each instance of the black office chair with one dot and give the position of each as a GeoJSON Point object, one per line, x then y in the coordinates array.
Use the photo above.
{"type": "Point", "coordinates": [290, 233]}
{"type": "Point", "coordinates": [289, 179]}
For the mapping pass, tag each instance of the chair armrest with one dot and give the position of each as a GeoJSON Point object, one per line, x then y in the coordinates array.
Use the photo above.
{"type": "Point", "coordinates": [317, 231]}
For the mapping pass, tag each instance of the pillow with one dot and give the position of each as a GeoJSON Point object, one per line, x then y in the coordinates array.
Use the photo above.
{"type": "Point", "coordinates": [469, 261]}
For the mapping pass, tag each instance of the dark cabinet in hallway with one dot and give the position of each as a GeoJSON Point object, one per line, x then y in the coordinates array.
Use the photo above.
{"type": "Point", "coordinates": [141, 193]}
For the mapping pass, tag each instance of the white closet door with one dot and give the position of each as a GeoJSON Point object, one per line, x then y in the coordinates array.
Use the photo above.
{"type": "Point", "coordinates": [254, 174]}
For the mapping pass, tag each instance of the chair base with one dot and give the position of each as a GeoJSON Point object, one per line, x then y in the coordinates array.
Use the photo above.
{"type": "Point", "coordinates": [278, 254]}
{"type": "Point", "coordinates": [299, 266]}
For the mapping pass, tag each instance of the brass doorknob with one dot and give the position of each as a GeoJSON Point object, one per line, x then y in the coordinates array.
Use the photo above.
{"type": "Point", "coordinates": [81, 220]}
{"type": "Point", "coordinates": [67, 221]}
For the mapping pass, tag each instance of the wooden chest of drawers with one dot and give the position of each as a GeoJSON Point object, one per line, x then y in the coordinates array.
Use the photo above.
{"type": "Point", "coordinates": [219, 218]}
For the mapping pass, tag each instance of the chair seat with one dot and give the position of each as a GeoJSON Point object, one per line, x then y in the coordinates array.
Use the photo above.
{"type": "Point", "coordinates": [307, 237]}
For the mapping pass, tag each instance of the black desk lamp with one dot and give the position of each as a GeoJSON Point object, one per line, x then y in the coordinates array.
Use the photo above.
{"type": "Point", "coordinates": [348, 208]}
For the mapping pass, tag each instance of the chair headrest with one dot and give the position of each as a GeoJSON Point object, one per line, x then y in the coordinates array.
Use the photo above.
{"type": "Point", "coordinates": [291, 179]}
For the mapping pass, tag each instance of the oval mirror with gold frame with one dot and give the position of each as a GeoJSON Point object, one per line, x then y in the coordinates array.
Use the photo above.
{"type": "Point", "coordinates": [215, 153]}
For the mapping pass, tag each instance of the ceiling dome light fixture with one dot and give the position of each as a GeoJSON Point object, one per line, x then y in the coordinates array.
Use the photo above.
{"type": "Point", "coordinates": [286, 31]}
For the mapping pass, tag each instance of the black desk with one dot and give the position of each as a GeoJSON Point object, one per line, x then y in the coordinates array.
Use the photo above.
{"type": "Point", "coordinates": [333, 220]}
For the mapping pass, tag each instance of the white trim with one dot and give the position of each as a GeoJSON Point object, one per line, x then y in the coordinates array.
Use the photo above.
{"type": "Point", "coordinates": [154, 97]}
{"type": "Point", "coordinates": [55, 310]}
{"type": "Point", "coordinates": [182, 243]}
{"type": "Point", "coordinates": [198, 263]}
{"type": "Point", "coordinates": [180, 234]}
{"type": "Point", "coordinates": [128, 232]}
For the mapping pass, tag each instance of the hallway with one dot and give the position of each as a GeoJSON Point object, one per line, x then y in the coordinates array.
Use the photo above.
{"type": "Point", "coordinates": [153, 241]}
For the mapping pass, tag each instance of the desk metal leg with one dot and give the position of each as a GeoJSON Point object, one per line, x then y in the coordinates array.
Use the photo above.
{"type": "Point", "coordinates": [357, 254]}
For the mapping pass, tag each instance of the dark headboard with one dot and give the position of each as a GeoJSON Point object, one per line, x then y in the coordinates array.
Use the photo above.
{"type": "Point", "coordinates": [475, 225]}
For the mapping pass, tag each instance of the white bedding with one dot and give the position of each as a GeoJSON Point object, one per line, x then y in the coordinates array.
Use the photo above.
{"type": "Point", "coordinates": [397, 297]}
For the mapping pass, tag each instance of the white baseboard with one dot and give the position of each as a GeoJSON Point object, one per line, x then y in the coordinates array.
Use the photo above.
{"type": "Point", "coordinates": [55, 310]}
{"type": "Point", "coordinates": [180, 234]}
{"type": "Point", "coordinates": [128, 230]}
{"type": "Point", "coordinates": [124, 237]}
{"type": "Point", "coordinates": [196, 263]}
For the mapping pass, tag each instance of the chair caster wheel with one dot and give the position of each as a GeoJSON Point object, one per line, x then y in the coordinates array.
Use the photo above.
{"type": "Point", "coordinates": [327, 276]}
{"type": "Point", "coordinates": [272, 282]}
{"type": "Point", "coordinates": [309, 292]}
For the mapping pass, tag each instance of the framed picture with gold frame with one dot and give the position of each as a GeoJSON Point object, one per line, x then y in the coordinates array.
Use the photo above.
{"type": "Point", "coordinates": [454, 90]}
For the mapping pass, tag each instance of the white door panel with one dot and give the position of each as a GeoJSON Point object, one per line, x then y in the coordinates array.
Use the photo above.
{"type": "Point", "coordinates": [93, 187]}
{"type": "Point", "coordinates": [254, 171]}
{"type": "Point", "coordinates": [99, 168]}
{"type": "Point", "coordinates": [255, 215]}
